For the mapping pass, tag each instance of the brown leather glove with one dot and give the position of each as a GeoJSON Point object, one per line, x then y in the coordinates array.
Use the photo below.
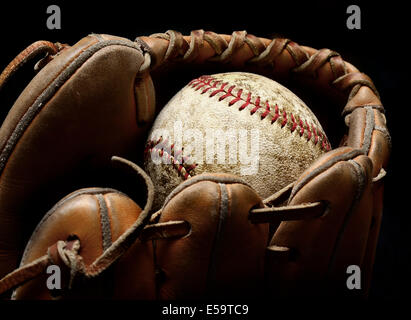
{"type": "Point", "coordinates": [89, 102]}
{"type": "Point", "coordinates": [92, 236]}
{"type": "Point", "coordinates": [187, 250]}
{"type": "Point", "coordinates": [315, 223]}
{"type": "Point", "coordinates": [210, 260]}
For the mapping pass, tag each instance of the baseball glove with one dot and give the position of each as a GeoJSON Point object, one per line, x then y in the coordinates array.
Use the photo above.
{"type": "Point", "coordinates": [96, 99]}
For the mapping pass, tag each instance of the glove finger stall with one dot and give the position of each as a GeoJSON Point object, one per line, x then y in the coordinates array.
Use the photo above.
{"type": "Point", "coordinates": [96, 217]}
{"type": "Point", "coordinates": [322, 246]}
{"type": "Point", "coordinates": [209, 260]}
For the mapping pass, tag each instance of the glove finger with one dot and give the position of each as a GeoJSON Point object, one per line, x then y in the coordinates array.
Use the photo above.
{"type": "Point", "coordinates": [96, 217]}
{"type": "Point", "coordinates": [209, 260]}
{"type": "Point", "coordinates": [321, 248]}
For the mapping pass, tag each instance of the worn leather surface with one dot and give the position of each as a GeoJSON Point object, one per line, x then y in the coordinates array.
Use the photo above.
{"type": "Point", "coordinates": [209, 260]}
{"type": "Point", "coordinates": [220, 235]}
{"type": "Point", "coordinates": [77, 112]}
{"type": "Point", "coordinates": [81, 215]}
{"type": "Point", "coordinates": [323, 247]}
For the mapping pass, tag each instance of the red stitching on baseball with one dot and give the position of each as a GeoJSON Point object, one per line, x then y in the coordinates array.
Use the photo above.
{"type": "Point", "coordinates": [284, 119]}
{"type": "Point", "coordinates": [218, 90]}
{"type": "Point", "coordinates": [276, 114]}
{"type": "Point", "coordinates": [294, 123]}
{"type": "Point", "coordinates": [228, 94]}
{"type": "Point", "coordinates": [309, 131]}
{"type": "Point", "coordinates": [246, 103]}
{"type": "Point", "coordinates": [239, 93]}
{"type": "Point", "coordinates": [257, 106]}
{"type": "Point", "coordinates": [315, 135]}
{"type": "Point", "coordinates": [302, 128]}
{"type": "Point", "coordinates": [183, 169]}
{"type": "Point", "coordinates": [267, 110]}
{"type": "Point", "coordinates": [211, 84]}
{"type": "Point", "coordinates": [209, 87]}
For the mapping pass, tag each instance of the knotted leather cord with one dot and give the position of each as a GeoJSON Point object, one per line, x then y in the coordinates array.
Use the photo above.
{"type": "Point", "coordinates": [126, 240]}
{"type": "Point", "coordinates": [31, 52]}
{"type": "Point", "coordinates": [67, 251]}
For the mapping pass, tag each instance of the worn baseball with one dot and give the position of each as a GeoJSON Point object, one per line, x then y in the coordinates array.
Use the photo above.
{"type": "Point", "coordinates": [239, 123]}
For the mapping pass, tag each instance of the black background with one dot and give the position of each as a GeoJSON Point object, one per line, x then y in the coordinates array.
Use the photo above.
{"type": "Point", "coordinates": [379, 49]}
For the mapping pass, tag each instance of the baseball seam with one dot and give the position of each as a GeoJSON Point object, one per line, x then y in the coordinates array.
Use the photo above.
{"type": "Point", "coordinates": [209, 83]}
{"type": "Point", "coordinates": [215, 86]}
{"type": "Point", "coordinates": [158, 147]}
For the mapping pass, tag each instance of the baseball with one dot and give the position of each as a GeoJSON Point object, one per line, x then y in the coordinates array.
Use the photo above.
{"type": "Point", "coordinates": [239, 123]}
